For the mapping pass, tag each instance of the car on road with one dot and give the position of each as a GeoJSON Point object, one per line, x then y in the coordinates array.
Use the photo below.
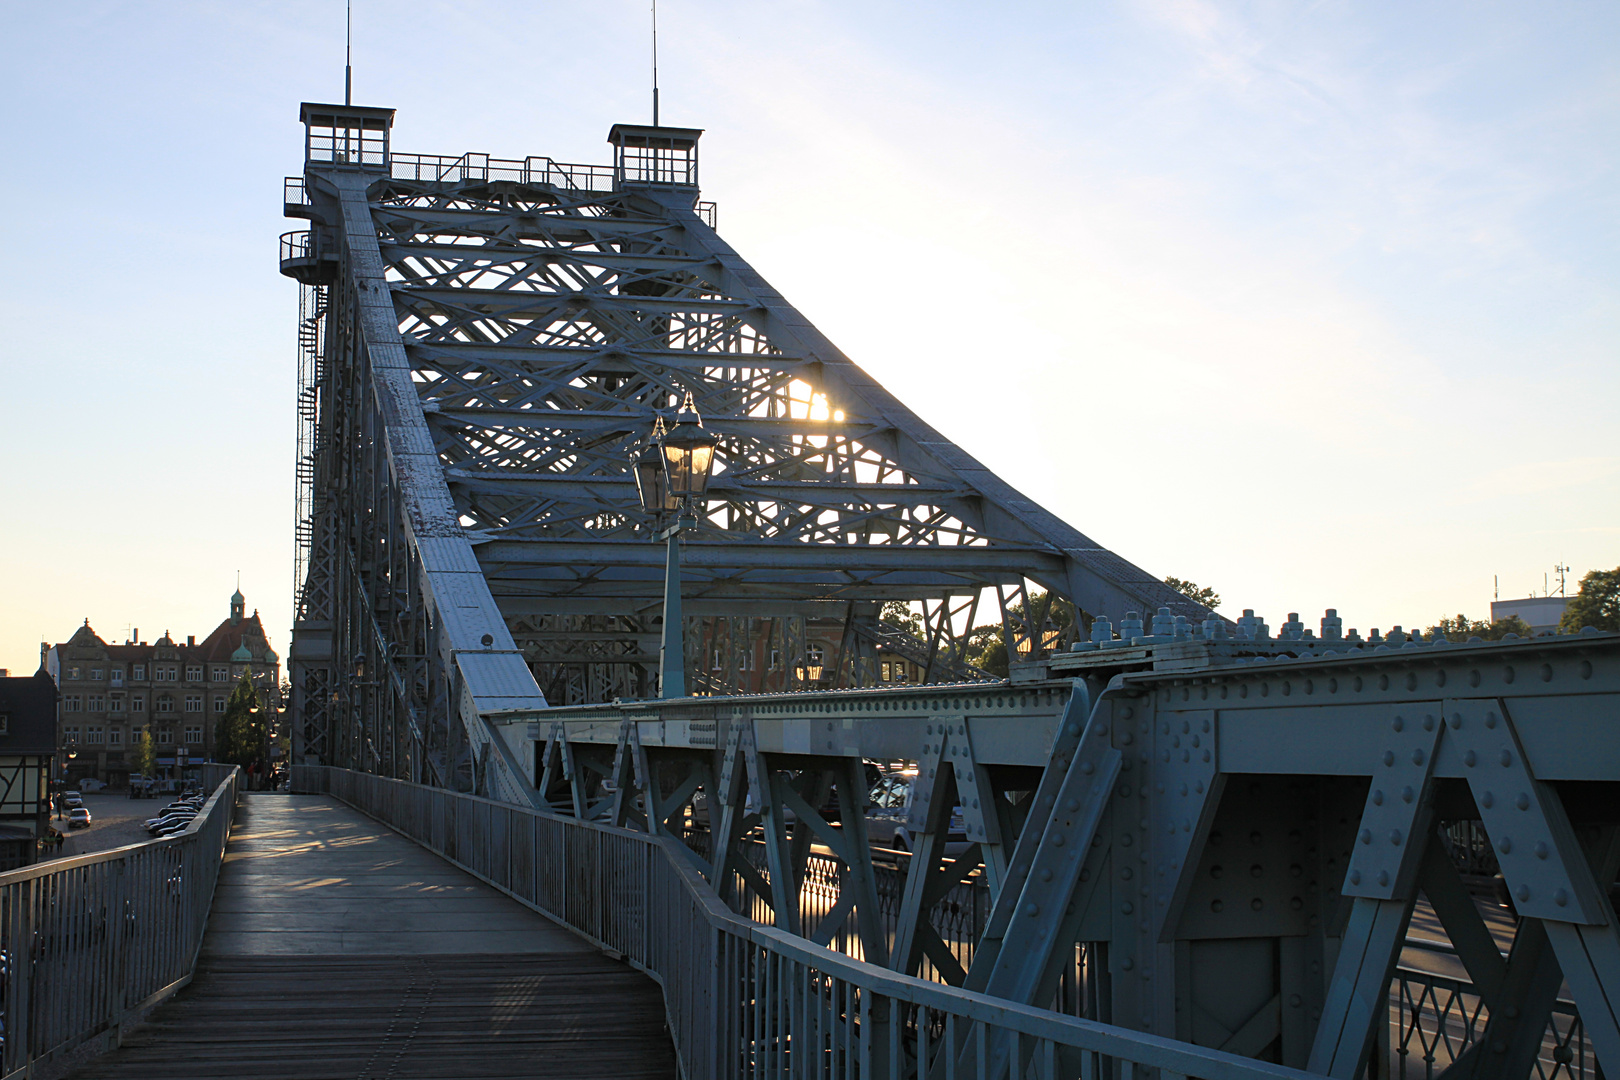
{"type": "Point", "coordinates": [182, 818]}
{"type": "Point", "coordinates": [889, 809]}
{"type": "Point", "coordinates": [78, 818]}
{"type": "Point", "coordinates": [71, 799]}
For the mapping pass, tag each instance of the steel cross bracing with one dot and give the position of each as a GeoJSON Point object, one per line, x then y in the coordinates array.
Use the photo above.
{"type": "Point", "coordinates": [542, 316]}
{"type": "Point", "coordinates": [1238, 839]}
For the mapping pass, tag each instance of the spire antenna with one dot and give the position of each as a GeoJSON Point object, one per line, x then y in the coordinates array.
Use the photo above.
{"type": "Point", "coordinates": [655, 60]}
{"type": "Point", "coordinates": [348, 42]}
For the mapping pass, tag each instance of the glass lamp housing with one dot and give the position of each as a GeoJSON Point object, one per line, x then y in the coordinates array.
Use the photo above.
{"type": "Point", "coordinates": [651, 483]}
{"type": "Point", "coordinates": [688, 455]}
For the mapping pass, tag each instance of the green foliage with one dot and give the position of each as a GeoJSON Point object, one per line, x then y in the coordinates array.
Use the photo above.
{"type": "Point", "coordinates": [898, 615]}
{"type": "Point", "coordinates": [987, 647]}
{"type": "Point", "coordinates": [143, 757]}
{"type": "Point", "coordinates": [1203, 595]}
{"type": "Point", "coordinates": [1596, 605]}
{"type": "Point", "coordinates": [1461, 628]}
{"type": "Point", "coordinates": [239, 735]}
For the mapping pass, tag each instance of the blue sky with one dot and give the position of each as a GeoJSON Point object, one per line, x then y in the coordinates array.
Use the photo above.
{"type": "Point", "coordinates": [1315, 303]}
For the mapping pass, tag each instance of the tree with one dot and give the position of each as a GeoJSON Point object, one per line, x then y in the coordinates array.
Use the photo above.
{"type": "Point", "coordinates": [1462, 628]}
{"type": "Point", "coordinates": [1596, 605]}
{"type": "Point", "coordinates": [899, 615]}
{"type": "Point", "coordinates": [986, 647]}
{"type": "Point", "coordinates": [239, 735]}
{"type": "Point", "coordinates": [1201, 594]}
{"type": "Point", "coordinates": [143, 758]}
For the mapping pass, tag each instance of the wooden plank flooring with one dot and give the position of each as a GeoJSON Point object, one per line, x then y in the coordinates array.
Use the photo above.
{"type": "Point", "coordinates": [338, 949]}
{"type": "Point", "coordinates": [370, 1017]}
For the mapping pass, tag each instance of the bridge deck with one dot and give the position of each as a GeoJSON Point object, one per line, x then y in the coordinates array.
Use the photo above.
{"type": "Point", "coordinates": [337, 948]}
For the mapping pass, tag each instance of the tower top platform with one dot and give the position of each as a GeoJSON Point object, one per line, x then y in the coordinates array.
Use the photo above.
{"type": "Point", "coordinates": [644, 154]}
{"type": "Point", "coordinates": [351, 135]}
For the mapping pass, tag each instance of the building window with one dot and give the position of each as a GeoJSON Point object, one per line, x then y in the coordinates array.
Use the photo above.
{"type": "Point", "coordinates": [95, 674]}
{"type": "Point", "coordinates": [95, 735]}
{"type": "Point", "coordinates": [165, 737]}
{"type": "Point", "coordinates": [193, 703]}
{"type": "Point", "coordinates": [70, 734]}
{"type": "Point", "coordinates": [776, 659]}
{"type": "Point", "coordinates": [167, 674]}
{"type": "Point", "coordinates": [115, 736]}
{"type": "Point", "coordinates": [73, 672]}
{"type": "Point", "coordinates": [72, 703]}
{"type": "Point", "coordinates": [745, 661]}
{"type": "Point", "coordinates": [165, 703]}
{"type": "Point", "coordinates": [137, 703]}
{"type": "Point", "coordinates": [116, 676]}
{"type": "Point", "coordinates": [116, 703]}
{"type": "Point", "coordinates": [5, 723]}
{"type": "Point", "coordinates": [194, 735]}
{"type": "Point", "coordinates": [135, 733]}
{"type": "Point", "coordinates": [717, 662]}
{"type": "Point", "coordinates": [885, 672]}
{"type": "Point", "coordinates": [193, 673]}
{"type": "Point", "coordinates": [98, 703]}
{"type": "Point", "coordinates": [138, 672]}
{"type": "Point", "coordinates": [219, 704]}
{"type": "Point", "coordinates": [222, 674]}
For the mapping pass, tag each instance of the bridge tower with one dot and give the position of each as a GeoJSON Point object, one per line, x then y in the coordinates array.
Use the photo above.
{"type": "Point", "coordinates": [483, 343]}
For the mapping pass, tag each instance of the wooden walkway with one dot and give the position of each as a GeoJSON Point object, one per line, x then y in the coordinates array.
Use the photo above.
{"type": "Point", "coordinates": [339, 949]}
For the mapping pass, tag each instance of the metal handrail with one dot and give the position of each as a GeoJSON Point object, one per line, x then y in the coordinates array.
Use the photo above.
{"type": "Point", "coordinates": [745, 999]}
{"type": "Point", "coordinates": [295, 245]}
{"type": "Point", "coordinates": [1437, 1019]}
{"type": "Point", "coordinates": [88, 942]}
{"type": "Point", "coordinates": [438, 168]}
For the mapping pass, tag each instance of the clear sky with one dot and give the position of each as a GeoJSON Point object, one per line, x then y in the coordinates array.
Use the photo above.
{"type": "Point", "coordinates": [1315, 303]}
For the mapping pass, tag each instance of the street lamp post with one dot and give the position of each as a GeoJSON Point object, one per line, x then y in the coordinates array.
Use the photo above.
{"type": "Point", "coordinates": [672, 473]}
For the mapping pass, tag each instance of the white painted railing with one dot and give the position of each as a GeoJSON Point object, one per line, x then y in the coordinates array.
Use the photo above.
{"type": "Point", "coordinates": [746, 1000]}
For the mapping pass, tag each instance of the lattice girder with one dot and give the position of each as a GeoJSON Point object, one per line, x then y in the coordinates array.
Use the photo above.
{"type": "Point", "coordinates": [532, 336]}
{"type": "Point", "coordinates": [598, 310]}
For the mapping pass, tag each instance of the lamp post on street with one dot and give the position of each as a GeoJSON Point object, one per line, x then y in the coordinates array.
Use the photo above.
{"type": "Point", "coordinates": [672, 473]}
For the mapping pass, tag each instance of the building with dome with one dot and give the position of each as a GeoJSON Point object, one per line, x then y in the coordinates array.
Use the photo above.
{"type": "Point", "coordinates": [109, 693]}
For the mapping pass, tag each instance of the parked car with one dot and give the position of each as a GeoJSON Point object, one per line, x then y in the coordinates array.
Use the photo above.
{"type": "Point", "coordinates": [179, 824]}
{"type": "Point", "coordinates": [889, 806]}
{"type": "Point", "coordinates": [90, 783]}
{"type": "Point", "coordinates": [71, 799]}
{"type": "Point", "coordinates": [158, 824]}
{"type": "Point", "coordinates": [78, 818]}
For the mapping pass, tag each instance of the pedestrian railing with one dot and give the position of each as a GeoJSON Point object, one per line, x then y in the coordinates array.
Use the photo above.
{"type": "Point", "coordinates": [746, 1000]}
{"type": "Point", "coordinates": [1435, 1020]}
{"type": "Point", "coordinates": [86, 943]}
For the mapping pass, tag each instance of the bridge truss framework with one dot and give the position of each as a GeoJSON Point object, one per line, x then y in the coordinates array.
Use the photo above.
{"type": "Point", "coordinates": [1237, 832]}
{"type": "Point", "coordinates": [483, 343]}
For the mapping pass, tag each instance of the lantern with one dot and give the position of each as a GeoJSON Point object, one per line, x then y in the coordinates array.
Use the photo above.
{"type": "Point", "coordinates": [688, 454]}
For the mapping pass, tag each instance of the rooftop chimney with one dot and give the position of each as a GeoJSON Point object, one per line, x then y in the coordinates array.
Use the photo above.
{"type": "Point", "coordinates": [191, 639]}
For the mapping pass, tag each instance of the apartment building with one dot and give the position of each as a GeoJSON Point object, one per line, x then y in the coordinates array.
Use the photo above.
{"type": "Point", "coordinates": [109, 693]}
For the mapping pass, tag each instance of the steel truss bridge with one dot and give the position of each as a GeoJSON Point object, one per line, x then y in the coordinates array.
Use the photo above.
{"type": "Point", "coordinates": [1207, 844]}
